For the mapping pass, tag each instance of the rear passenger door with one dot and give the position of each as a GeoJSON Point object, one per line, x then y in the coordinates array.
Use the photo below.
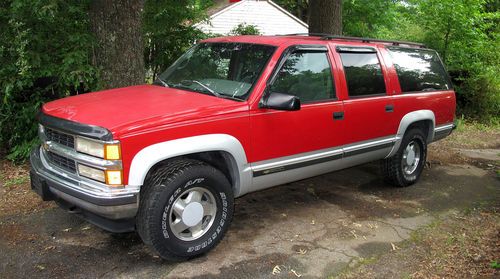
{"type": "Point", "coordinates": [369, 111]}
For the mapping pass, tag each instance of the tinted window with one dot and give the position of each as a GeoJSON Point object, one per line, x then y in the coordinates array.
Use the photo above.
{"type": "Point", "coordinates": [363, 74]}
{"type": "Point", "coordinates": [419, 70]}
{"type": "Point", "coordinates": [306, 75]}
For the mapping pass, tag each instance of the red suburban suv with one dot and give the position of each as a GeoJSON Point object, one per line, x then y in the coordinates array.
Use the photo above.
{"type": "Point", "coordinates": [235, 115]}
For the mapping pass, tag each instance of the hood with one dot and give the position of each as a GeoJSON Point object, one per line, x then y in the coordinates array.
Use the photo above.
{"type": "Point", "coordinates": [133, 108]}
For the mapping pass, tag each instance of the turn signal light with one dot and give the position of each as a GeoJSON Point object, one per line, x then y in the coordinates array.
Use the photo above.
{"type": "Point", "coordinates": [114, 177]}
{"type": "Point", "coordinates": [112, 152]}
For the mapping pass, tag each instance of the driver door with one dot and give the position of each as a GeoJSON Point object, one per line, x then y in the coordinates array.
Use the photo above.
{"type": "Point", "coordinates": [290, 144]}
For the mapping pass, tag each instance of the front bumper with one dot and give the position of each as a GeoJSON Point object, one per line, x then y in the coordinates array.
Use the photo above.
{"type": "Point", "coordinates": [113, 211]}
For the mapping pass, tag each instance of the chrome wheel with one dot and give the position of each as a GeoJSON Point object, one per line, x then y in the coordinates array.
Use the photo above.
{"type": "Point", "coordinates": [192, 213]}
{"type": "Point", "coordinates": [411, 157]}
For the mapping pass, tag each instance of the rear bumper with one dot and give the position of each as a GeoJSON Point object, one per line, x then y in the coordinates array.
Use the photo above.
{"type": "Point", "coordinates": [442, 131]}
{"type": "Point", "coordinates": [111, 211]}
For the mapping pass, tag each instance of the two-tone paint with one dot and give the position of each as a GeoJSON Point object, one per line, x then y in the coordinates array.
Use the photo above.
{"type": "Point", "coordinates": [263, 147]}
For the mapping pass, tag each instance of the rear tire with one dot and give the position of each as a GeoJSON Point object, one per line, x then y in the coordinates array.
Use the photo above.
{"type": "Point", "coordinates": [405, 167]}
{"type": "Point", "coordinates": [185, 208]}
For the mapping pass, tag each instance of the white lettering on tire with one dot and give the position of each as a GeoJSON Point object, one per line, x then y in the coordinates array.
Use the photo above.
{"type": "Point", "coordinates": [217, 230]}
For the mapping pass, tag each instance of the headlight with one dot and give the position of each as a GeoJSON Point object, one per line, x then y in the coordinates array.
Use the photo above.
{"type": "Point", "coordinates": [107, 151]}
{"type": "Point", "coordinates": [98, 149]}
{"type": "Point", "coordinates": [92, 173]}
{"type": "Point", "coordinates": [110, 177]}
{"type": "Point", "coordinates": [90, 147]}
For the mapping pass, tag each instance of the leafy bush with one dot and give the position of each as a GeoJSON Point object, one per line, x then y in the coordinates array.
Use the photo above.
{"type": "Point", "coordinates": [169, 32]}
{"type": "Point", "coordinates": [245, 29]}
{"type": "Point", "coordinates": [466, 34]}
{"type": "Point", "coordinates": [45, 54]}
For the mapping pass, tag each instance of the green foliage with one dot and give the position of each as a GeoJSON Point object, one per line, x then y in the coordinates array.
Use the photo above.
{"type": "Point", "coordinates": [297, 7]}
{"type": "Point", "coordinates": [245, 29]}
{"type": "Point", "coordinates": [169, 31]}
{"type": "Point", "coordinates": [466, 34]}
{"type": "Point", "coordinates": [368, 18]}
{"type": "Point", "coordinates": [45, 54]}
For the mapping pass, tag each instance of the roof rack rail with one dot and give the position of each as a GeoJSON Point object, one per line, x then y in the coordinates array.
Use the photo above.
{"type": "Point", "coordinates": [325, 36]}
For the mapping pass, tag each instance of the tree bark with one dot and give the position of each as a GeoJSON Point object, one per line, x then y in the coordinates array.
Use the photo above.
{"type": "Point", "coordinates": [119, 52]}
{"type": "Point", "coordinates": [325, 17]}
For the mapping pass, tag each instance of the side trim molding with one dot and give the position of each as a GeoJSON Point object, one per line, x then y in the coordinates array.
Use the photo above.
{"type": "Point", "coordinates": [321, 156]}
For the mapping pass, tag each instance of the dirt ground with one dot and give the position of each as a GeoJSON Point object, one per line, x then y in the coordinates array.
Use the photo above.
{"type": "Point", "coordinates": [345, 224]}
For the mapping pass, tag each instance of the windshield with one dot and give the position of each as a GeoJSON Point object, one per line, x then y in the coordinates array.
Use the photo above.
{"type": "Point", "coordinates": [226, 70]}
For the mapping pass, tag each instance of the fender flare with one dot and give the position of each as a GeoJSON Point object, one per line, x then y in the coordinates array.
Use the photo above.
{"type": "Point", "coordinates": [409, 119]}
{"type": "Point", "coordinates": [149, 156]}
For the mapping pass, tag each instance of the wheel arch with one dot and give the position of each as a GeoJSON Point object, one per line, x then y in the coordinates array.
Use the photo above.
{"type": "Point", "coordinates": [222, 151]}
{"type": "Point", "coordinates": [425, 119]}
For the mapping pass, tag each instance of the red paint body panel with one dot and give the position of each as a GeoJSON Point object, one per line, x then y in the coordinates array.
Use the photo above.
{"type": "Point", "coordinates": [124, 110]}
{"type": "Point", "coordinates": [283, 133]}
{"type": "Point", "coordinates": [143, 115]}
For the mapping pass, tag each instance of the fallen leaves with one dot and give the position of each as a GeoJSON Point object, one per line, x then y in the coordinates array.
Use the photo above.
{"type": "Point", "coordinates": [276, 270]}
{"type": "Point", "coordinates": [394, 247]}
{"type": "Point", "coordinates": [40, 267]}
{"type": "Point", "coordinates": [353, 232]}
{"type": "Point", "coordinates": [295, 273]}
{"type": "Point", "coordinates": [302, 251]}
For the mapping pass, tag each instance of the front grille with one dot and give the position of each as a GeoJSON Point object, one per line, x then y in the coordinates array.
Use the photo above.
{"type": "Point", "coordinates": [60, 138]}
{"type": "Point", "coordinates": [62, 162]}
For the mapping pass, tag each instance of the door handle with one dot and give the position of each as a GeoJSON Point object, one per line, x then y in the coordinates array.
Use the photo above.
{"type": "Point", "coordinates": [338, 115]}
{"type": "Point", "coordinates": [389, 108]}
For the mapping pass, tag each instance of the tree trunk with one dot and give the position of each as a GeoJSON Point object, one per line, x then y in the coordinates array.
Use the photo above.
{"type": "Point", "coordinates": [325, 17]}
{"type": "Point", "coordinates": [119, 52]}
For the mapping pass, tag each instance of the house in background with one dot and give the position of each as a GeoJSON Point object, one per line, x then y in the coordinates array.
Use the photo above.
{"type": "Point", "coordinates": [268, 17]}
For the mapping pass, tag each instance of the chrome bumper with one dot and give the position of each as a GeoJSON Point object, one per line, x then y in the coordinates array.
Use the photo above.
{"type": "Point", "coordinates": [81, 194]}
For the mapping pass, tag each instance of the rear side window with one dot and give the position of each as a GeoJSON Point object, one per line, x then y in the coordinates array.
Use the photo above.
{"type": "Point", "coordinates": [306, 75]}
{"type": "Point", "coordinates": [363, 74]}
{"type": "Point", "coordinates": [419, 70]}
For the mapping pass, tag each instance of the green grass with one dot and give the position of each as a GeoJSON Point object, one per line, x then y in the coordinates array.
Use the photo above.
{"type": "Point", "coordinates": [464, 124]}
{"type": "Point", "coordinates": [16, 181]}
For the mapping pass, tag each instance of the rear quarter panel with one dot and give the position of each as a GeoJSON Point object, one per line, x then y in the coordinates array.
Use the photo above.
{"type": "Point", "coordinates": [442, 103]}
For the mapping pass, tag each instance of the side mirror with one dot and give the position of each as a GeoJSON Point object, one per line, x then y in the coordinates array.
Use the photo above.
{"type": "Point", "coordinates": [281, 101]}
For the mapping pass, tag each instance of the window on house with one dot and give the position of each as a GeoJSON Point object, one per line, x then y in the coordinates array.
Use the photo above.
{"type": "Point", "coordinates": [306, 75]}
{"type": "Point", "coordinates": [363, 74]}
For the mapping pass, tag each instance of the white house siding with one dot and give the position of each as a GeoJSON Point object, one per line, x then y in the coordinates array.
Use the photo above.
{"type": "Point", "coordinates": [268, 17]}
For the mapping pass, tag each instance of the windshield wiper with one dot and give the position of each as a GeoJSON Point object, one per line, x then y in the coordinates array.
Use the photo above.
{"type": "Point", "coordinates": [162, 82]}
{"type": "Point", "coordinates": [213, 92]}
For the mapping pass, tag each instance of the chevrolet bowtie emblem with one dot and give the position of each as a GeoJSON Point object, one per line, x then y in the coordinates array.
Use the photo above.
{"type": "Point", "coordinates": [45, 146]}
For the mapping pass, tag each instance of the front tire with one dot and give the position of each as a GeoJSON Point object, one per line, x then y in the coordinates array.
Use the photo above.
{"type": "Point", "coordinates": [405, 167]}
{"type": "Point", "coordinates": [185, 209]}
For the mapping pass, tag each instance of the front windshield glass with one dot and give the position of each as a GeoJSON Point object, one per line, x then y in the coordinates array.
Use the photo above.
{"type": "Point", "coordinates": [226, 70]}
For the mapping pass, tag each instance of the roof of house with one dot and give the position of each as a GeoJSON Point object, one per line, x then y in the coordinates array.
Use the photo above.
{"type": "Point", "coordinates": [266, 15]}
